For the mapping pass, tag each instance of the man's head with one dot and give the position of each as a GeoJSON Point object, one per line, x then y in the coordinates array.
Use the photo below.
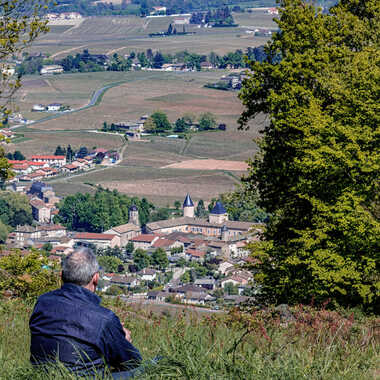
{"type": "Point", "coordinates": [81, 268]}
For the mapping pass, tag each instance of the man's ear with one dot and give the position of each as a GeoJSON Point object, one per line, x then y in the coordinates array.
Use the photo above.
{"type": "Point", "coordinates": [95, 278]}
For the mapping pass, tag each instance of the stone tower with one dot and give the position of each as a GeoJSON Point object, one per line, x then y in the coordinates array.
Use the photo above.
{"type": "Point", "coordinates": [218, 214]}
{"type": "Point", "coordinates": [225, 233]}
{"type": "Point", "coordinates": [188, 207]}
{"type": "Point", "coordinates": [134, 215]}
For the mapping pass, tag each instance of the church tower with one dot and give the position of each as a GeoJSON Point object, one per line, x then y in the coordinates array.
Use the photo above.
{"type": "Point", "coordinates": [188, 207]}
{"type": "Point", "coordinates": [225, 233]}
{"type": "Point", "coordinates": [134, 215]}
{"type": "Point", "coordinates": [218, 214]}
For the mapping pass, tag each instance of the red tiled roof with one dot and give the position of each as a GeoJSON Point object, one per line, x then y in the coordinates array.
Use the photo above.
{"type": "Point", "coordinates": [70, 166]}
{"type": "Point", "coordinates": [144, 238]}
{"type": "Point", "coordinates": [37, 203]}
{"type": "Point", "coordinates": [47, 157]}
{"type": "Point", "coordinates": [52, 227]}
{"type": "Point", "coordinates": [93, 236]}
{"type": "Point", "coordinates": [35, 175]}
{"type": "Point", "coordinates": [163, 243]}
{"type": "Point", "coordinates": [20, 166]}
{"type": "Point", "coordinates": [195, 252]}
{"type": "Point", "coordinates": [36, 163]}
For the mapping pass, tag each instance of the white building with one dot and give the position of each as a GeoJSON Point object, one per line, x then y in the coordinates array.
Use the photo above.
{"type": "Point", "coordinates": [51, 69]}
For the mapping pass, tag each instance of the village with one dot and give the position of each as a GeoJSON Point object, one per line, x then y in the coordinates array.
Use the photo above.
{"type": "Point", "coordinates": [182, 260]}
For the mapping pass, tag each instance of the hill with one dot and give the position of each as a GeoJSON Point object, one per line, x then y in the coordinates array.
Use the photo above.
{"type": "Point", "coordinates": [259, 345]}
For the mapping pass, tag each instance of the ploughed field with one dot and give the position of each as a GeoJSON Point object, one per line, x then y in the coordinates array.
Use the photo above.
{"type": "Point", "coordinates": [159, 168]}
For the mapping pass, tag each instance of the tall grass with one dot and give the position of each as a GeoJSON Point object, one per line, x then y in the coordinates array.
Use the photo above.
{"type": "Point", "coordinates": [316, 344]}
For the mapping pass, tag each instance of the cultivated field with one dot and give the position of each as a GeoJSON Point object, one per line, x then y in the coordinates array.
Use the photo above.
{"type": "Point", "coordinates": [158, 167]}
{"type": "Point", "coordinates": [161, 169]}
{"type": "Point", "coordinates": [209, 165]}
{"type": "Point", "coordinates": [124, 34]}
{"type": "Point", "coordinates": [141, 93]}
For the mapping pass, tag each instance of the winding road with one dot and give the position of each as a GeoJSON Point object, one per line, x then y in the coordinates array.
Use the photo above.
{"type": "Point", "coordinates": [93, 101]}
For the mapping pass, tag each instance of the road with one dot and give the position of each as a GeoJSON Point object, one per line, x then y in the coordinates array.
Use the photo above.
{"type": "Point", "coordinates": [94, 99]}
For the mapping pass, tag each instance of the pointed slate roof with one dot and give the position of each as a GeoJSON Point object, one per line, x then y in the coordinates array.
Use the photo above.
{"type": "Point", "coordinates": [188, 202]}
{"type": "Point", "coordinates": [133, 208]}
{"type": "Point", "coordinates": [218, 209]}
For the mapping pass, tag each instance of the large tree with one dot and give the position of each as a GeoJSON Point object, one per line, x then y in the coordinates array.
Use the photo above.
{"type": "Point", "coordinates": [318, 170]}
{"type": "Point", "coordinates": [20, 24]}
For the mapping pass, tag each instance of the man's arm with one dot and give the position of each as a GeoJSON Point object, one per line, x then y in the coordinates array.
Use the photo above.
{"type": "Point", "coordinates": [118, 351]}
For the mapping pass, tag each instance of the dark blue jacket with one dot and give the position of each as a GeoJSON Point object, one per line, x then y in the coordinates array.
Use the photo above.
{"type": "Point", "coordinates": [69, 325]}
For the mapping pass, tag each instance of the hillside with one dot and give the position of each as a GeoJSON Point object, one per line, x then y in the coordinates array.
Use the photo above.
{"type": "Point", "coordinates": [316, 345]}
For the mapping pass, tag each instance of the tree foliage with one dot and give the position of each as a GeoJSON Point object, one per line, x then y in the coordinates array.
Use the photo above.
{"type": "Point", "coordinates": [141, 259]}
{"type": "Point", "coordinates": [207, 121]}
{"type": "Point", "coordinates": [109, 263]}
{"type": "Point", "coordinates": [15, 209]}
{"type": "Point", "coordinates": [318, 170]}
{"type": "Point", "coordinates": [101, 211]}
{"type": "Point", "coordinates": [160, 259]}
{"type": "Point", "coordinates": [20, 24]}
{"type": "Point", "coordinates": [25, 275]}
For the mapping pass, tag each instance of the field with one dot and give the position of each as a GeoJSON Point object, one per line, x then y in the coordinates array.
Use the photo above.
{"type": "Point", "coordinates": [318, 344]}
{"type": "Point", "coordinates": [124, 34]}
{"type": "Point", "coordinates": [158, 168]}
{"type": "Point", "coordinates": [210, 165]}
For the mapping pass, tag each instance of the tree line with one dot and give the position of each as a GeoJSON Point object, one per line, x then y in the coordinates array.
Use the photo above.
{"type": "Point", "coordinates": [87, 62]}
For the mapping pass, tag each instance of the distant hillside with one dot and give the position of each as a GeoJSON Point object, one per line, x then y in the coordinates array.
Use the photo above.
{"type": "Point", "coordinates": [143, 7]}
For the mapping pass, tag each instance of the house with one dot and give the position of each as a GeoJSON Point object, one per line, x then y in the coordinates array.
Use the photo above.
{"type": "Point", "coordinates": [173, 67]}
{"type": "Point", "coordinates": [26, 233]}
{"type": "Point", "coordinates": [38, 108]}
{"type": "Point", "coordinates": [195, 255]}
{"type": "Point", "coordinates": [205, 283]}
{"type": "Point", "coordinates": [196, 298]}
{"type": "Point", "coordinates": [51, 160]}
{"type": "Point", "coordinates": [158, 296]}
{"type": "Point", "coordinates": [182, 290]}
{"type": "Point", "coordinates": [167, 244]}
{"type": "Point", "coordinates": [219, 248]}
{"type": "Point", "coordinates": [206, 66]}
{"type": "Point", "coordinates": [20, 167]}
{"type": "Point", "coordinates": [98, 239]}
{"type": "Point", "coordinates": [70, 168]}
{"type": "Point", "coordinates": [224, 265]}
{"type": "Point", "coordinates": [53, 107]}
{"type": "Point", "coordinates": [234, 280]}
{"type": "Point", "coordinates": [241, 251]}
{"type": "Point", "coordinates": [53, 230]}
{"type": "Point", "coordinates": [182, 21]}
{"type": "Point", "coordinates": [40, 210]}
{"type": "Point", "coordinates": [124, 281]}
{"type": "Point", "coordinates": [51, 69]}
{"type": "Point", "coordinates": [147, 274]}
{"type": "Point", "coordinates": [126, 232]}
{"type": "Point", "coordinates": [144, 241]}
{"type": "Point", "coordinates": [236, 299]}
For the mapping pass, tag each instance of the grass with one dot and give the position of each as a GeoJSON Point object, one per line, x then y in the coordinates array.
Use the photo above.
{"type": "Point", "coordinates": [318, 344]}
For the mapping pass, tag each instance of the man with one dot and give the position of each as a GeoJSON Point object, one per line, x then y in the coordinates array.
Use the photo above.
{"type": "Point", "coordinates": [69, 325]}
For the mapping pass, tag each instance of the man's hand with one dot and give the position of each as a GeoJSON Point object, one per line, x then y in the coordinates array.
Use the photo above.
{"type": "Point", "coordinates": [127, 335]}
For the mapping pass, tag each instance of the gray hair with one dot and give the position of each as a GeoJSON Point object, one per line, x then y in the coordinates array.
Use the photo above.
{"type": "Point", "coordinates": [79, 267]}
